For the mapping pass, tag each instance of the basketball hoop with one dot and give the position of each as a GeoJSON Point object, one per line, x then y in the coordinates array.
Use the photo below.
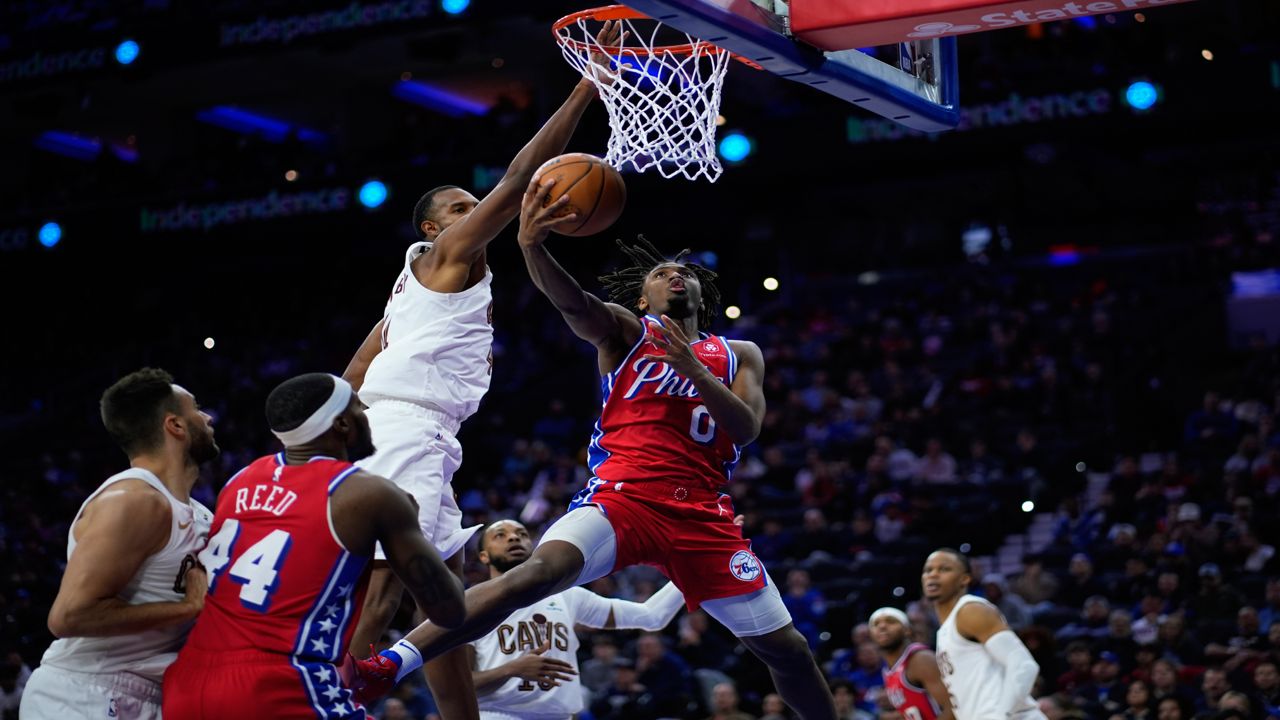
{"type": "Point", "coordinates": [663, 98]}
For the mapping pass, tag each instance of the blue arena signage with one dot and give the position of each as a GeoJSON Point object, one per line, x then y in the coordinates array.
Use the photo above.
{"type": "Point", "coordinates": [273, 205]}
{"type": "Point", "coordinates": [284, 30]}
{"type": "Point", "coordinates": [1014, 110]}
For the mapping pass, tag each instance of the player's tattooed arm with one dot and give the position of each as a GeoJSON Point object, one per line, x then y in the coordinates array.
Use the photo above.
{"type": "Point", "coordinates": [394, 520]}
{"type": "Point", "coordinates": [432, 585]}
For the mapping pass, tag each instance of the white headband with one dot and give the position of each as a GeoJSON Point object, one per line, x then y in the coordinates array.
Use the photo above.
{"type": "Point", "coordinates": [322, 419]}
{"type": "Point", "coordinates": [894, 613]}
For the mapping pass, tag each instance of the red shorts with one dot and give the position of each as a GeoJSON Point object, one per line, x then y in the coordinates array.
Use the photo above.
{"type": "Point", "coordinates": [202, 685]}
{"type": "Point", "coordinates": [686, 532]}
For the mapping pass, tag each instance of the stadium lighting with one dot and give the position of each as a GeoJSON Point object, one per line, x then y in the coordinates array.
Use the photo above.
{"type": "Point", "coordinates": [733, 312]}
{"type": "Point", "coordinates": [770, 283]}
{"type": "Point", "coordinates": [1141, 95]}
{"type": "Point", "coordinates": [453, 7]}
{"type": "Point", "coordinates": [1028, 506]}
{"type": "Point", "coordinates": [735, 147]}
{"type": "Point", "coordinates": [208, 343]}
{"type": "Point", "coordinates": [127, 52]}
{"type": "Point", "coordinates": [373, 194]}
{"type": "Point", "coordinates": [50, 234]}
{"type": "Point", "coordinates": [424, 94]}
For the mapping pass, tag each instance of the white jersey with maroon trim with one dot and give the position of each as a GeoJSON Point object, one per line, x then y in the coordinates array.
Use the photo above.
{"type": "Point", "coordinates": [525, 631]}
{"type": "Point", "coordinates": [436, 347]}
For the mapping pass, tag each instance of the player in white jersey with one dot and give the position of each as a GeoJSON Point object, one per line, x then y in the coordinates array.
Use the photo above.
{"type": "Point", "coordinates": [425, 366]}
{"type": "Point", "coordinates": [986, 668]}
{"type": "Point", "coordinates": [132, 588]}
{"type": "Point", "coordinates": [527, 668]}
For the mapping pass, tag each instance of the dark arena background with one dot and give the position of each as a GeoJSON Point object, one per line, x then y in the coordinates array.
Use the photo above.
{"type": "Point", "coordinates": [1048, 338]}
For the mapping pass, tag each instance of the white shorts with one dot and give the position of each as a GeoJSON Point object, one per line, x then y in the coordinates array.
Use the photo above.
{"type": "Point", "coordinates": [416, 448]}
{"type": "Point", "coordinates": [57, 694]}
{"type": "Point", "coordinates": [588, 529]}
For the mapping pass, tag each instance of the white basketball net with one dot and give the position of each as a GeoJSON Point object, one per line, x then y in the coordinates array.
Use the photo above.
{"type": "Point", "coordinates": [662, 104]}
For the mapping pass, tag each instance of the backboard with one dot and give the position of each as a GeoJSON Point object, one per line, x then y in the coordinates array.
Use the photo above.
{"type": "Point", "coordinates": [921, 91]}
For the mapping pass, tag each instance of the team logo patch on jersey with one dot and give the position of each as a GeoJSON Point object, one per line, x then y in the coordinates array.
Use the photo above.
{"type": "Point", "coordinates": [711, 347]}
{"type": "Point", "coordinates": [744, 566]}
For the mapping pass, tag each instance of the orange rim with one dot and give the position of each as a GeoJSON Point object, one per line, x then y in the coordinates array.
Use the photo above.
{"type": "Point", "coordinates": [622, 12]}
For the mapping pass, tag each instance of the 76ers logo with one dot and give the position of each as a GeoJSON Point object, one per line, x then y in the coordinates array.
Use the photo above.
{"type": "Point", "coordinates": [744, 566]}
{"type": "Point", "coordinates": [711, 347]}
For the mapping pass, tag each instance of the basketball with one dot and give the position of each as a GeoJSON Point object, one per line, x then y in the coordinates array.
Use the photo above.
{"type": "Point", "coordinates": [596, 192]}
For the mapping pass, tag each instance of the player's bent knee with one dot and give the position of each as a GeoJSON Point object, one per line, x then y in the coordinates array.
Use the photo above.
{"type": "Point", "coordinates": [537, 578]}
{"type": "Point", "coordinates": [584, 539]}
{"type": "Point", "coordinates": [754, 615]}
{"type": "Point", "coordinates": [783, 648]}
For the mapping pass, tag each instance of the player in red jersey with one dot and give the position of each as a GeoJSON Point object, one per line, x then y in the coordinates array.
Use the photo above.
{"type": "Point", "coordinates": [288, 563]}
{"type": "Point", "coordinates": [911, 677]}
{"type": "Point", "coordinates": [678, 406]}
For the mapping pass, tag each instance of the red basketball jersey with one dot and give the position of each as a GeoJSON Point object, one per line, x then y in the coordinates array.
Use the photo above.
{"type": "Point", "coordinates": [654, 426]}
{"type": "Point", "coordinates": [911, 702]}
{"type": "Point", "coordinates": [279, 579]}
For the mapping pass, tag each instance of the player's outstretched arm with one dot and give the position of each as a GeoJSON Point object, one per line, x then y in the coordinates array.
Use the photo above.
{"type": "Point", "coordinates": [738, 408]}
{"type": "Point", "coordinates": [368, 509]}
{"type": "Point", "coordinates": [653, 614]}
{"type": "Point", "coordinates": [605, 325]}
{"type": "Point", "coordinates": [118, 531]}
{"type": "Point", "coordinates": [359, 365]}
{"type": "Point", "coordinates": [464, 241]}
{"type": "Point", "coordinates": [922, 670]}
{"type": "Point", "coordinates": [436, 589]}
{"type": "Point", "coordinates": [983, 623]}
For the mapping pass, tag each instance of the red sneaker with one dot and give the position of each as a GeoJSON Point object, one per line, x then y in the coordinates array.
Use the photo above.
{"type": "Point", "coordinates": [368, 679]}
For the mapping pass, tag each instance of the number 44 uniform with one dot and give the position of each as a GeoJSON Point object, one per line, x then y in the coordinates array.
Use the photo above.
{"type": "Point", "coordinates": [284, 597]}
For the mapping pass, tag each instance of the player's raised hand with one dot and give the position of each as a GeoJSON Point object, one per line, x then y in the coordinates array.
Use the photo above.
{"type": "Point", "coordinates": [534, 667]}
{"type": "Point", "coordinates": [537, 216]}
{"type": "Point", "coordinates": [673, 341]}
{"type": "Point", "coordinates": [603, 69]}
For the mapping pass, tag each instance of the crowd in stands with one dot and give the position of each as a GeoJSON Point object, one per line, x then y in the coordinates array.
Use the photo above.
{"type": "Point", "coordinates": [900, 418]}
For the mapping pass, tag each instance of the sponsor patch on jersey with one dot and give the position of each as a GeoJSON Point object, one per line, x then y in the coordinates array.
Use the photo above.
{"type": "Point", "coordinates": [744, 566]}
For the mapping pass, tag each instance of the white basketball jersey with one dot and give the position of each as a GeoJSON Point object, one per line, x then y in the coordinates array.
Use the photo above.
{"type": "Point", "coordinates": [148, 653]}
{"type": "Point", "coordinates": [972, 676]}
{"type": "Point", "coordinates": [436, 347]}
{"type": "Point", "coordinates": [524, 631]}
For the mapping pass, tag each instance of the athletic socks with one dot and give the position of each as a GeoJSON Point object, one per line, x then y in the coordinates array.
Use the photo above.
{"type": "Point", "coordinates": [405, 656]}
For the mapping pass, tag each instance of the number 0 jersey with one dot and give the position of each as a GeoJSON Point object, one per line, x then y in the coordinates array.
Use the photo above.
{"type": "Point", "coordinates": [280, 580]}
{"type": "Point", "coordinates": [653, 425]}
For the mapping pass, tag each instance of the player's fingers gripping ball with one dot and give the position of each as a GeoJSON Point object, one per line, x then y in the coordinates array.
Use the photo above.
{"type": "Point", "coordinates": [595, 191]}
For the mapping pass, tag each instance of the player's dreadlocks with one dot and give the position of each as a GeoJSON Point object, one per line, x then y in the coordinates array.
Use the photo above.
{"type": "Point", "coordinates": [624, 285]}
